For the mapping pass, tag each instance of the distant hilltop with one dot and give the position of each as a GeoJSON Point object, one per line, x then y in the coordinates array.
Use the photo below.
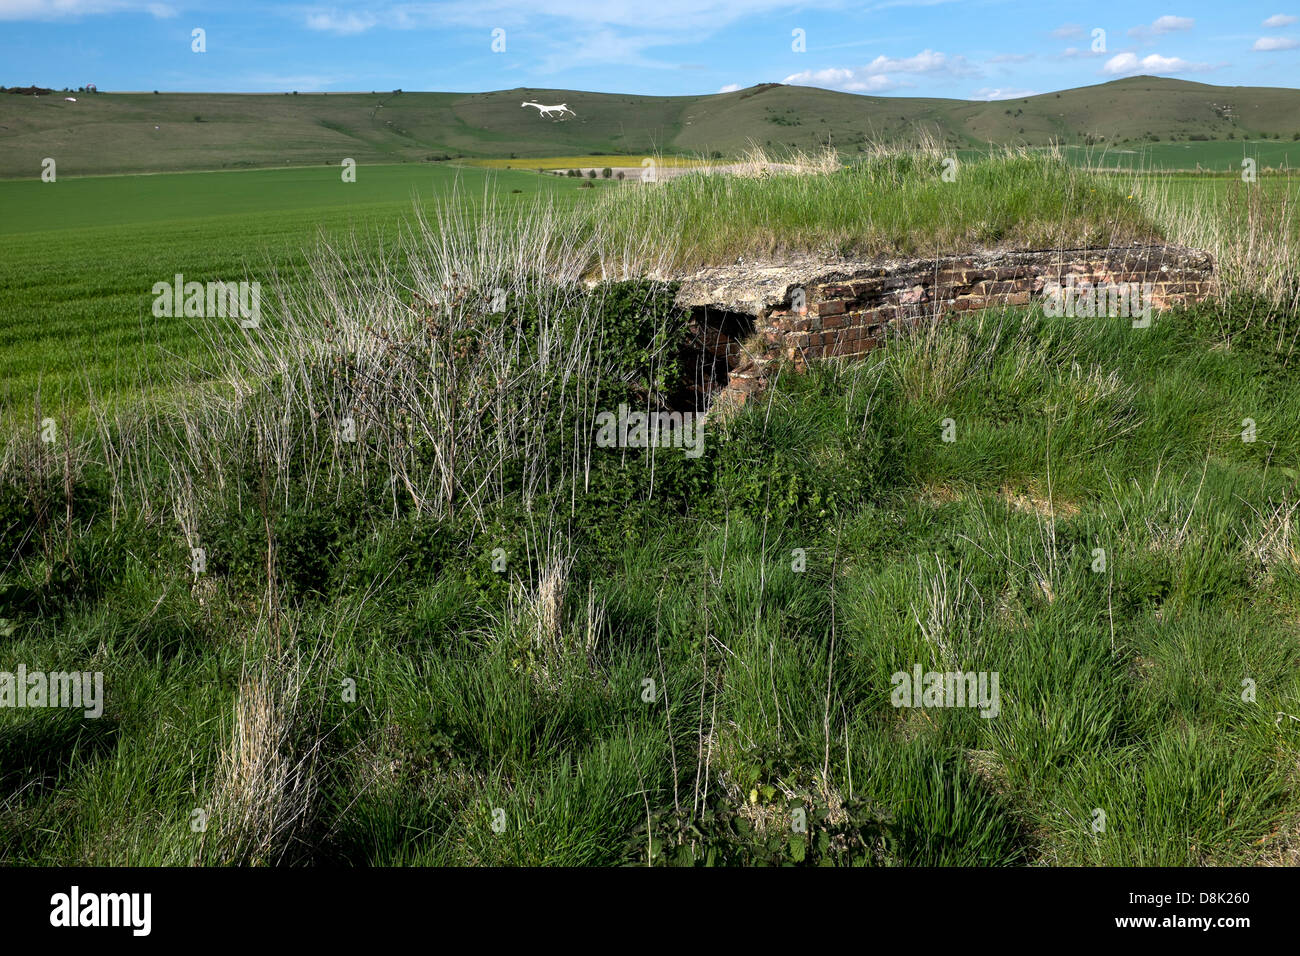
{"type": "Point", "coordinates": [123, 132]}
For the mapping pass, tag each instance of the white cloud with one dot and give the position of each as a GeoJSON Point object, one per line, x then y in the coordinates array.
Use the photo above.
{"type": "Point", "coordinates": [61, 9]}
{"type": "Point", "coordinates": [343, 24]}
{"type": "Point", "coordinates": [1162, 25]}
{"type": "Point", "coordinates": [601, 46]}
{"type": "Point", "coordinates": [1129, 64]}
{"type": "Point", "coordinates": [878, 75]}
{"type": "Point", "coordinates": [1267, 44]}
{"type": "Point", "coordinates": [730, 88]}
{"type": "Point", "coordinates": [1168, 24]}
{"type": "Point", "coordinates": [1279, 20]}
{"type": "Point", "coordinates": [848, 80]}
{"type": "Point", "coordinates": [1001, 93]}
{"type": "Point", "coordinates": [927, 61]}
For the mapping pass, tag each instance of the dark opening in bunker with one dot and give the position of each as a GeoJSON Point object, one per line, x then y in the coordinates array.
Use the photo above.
{"type": "Point", "coordinates": [712, 351]}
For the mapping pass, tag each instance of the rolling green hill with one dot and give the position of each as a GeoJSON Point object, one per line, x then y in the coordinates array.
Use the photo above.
{"type": "Point", "coordinates": [146, 132]}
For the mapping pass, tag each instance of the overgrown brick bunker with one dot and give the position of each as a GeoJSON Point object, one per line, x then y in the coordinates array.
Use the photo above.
{"type": "Point", "coordinates": [745, 318]}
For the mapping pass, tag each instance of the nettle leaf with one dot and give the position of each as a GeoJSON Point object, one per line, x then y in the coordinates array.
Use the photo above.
{"type": "Point", "coordinates": [798, 848]}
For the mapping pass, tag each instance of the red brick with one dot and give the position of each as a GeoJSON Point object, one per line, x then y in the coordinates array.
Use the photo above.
{"type": "Point", "coordinates": [870, 288]}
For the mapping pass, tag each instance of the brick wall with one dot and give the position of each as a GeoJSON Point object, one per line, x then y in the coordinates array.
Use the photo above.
{"type": "Point", "coordinates": [849, 309]}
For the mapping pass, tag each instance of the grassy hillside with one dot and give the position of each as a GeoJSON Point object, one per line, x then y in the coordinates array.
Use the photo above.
{"type": "Point", "coordinates": [122, 132]}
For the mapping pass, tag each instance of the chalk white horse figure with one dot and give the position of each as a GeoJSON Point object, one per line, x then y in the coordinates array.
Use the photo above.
{"type": "Point", "coordinates": [548, 110]}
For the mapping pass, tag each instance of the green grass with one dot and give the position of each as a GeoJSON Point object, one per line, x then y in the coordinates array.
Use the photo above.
{"type": "Point", "coordinates": [1121, 689]}
{"type": "Point", "coordinates": [898, 204]}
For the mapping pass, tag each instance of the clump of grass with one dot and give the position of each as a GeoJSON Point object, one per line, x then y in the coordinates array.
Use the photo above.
{"type": "Point", "coordinates": [892, 203]}
{"type": "Point", "coordinates": [429, 373]}
{"type": "Point", "coordinates": [548, 631]}
{"type": "Point", "coordinates": [758, 163]}
{"type": "Point", "coordinates": [266, 783]}
{"type": "Point", "coordinates": [1251, 228]}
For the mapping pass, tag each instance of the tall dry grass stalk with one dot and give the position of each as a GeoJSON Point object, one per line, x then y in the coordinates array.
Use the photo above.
{"type": "Point", "coordinates": [1275, 542]}
{"type": "Point", "coordinates": [1252, 230]}
{"type": "Point", "coordinates": [399, 368]}
{"type": "Point", "coordinates": [947, 614]}
{"type": "Point", "coordinates": [42, 467]}
{"type": "Point", "coordinates": [552, 630]}
{"type": "Point", "coordinates": [266, 778]}
{"type": "Point", "coordinates": [757, 163]}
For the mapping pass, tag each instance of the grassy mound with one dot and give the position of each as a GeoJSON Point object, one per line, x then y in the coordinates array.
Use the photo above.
{"type": "Point", "coordinates": [562, 653]}
{"type": "Point", "coordinates": [898, 203]}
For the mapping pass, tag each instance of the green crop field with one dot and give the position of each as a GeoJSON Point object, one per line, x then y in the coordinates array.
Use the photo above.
{"type": "Point", "coordinates": [1219, 157]}
{"type": "Point", "coordinates": [79, 257]}
{"type": "Point", "coordinates": [86, 202]}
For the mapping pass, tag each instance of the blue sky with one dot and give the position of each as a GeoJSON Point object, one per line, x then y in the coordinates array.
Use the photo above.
{"type": "Point", "coordinates": [969, 49]}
